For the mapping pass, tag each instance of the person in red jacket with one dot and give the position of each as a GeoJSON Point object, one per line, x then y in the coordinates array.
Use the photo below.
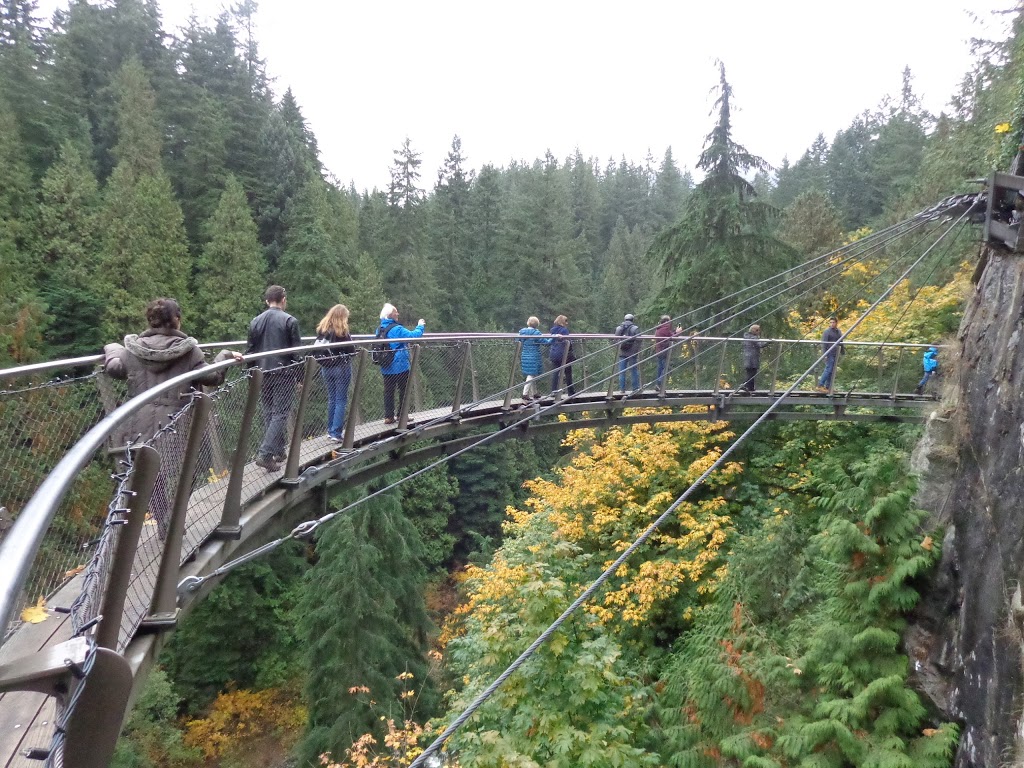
{"type": "Point", "coordinates": [662, 341]}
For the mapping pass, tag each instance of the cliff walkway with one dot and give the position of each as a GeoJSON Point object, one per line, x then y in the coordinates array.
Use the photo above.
{"type": "Point", "coordinates": [105, 548]}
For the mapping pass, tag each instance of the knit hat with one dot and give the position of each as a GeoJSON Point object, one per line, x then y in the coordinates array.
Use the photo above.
{"type": "Point", "coordinates": [629, 318]}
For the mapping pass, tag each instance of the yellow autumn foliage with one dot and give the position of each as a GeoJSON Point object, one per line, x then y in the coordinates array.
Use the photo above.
{"type": "Point", "coordinates": [614, 487]}
{"type": "Point", "coordinates": [239, 716]}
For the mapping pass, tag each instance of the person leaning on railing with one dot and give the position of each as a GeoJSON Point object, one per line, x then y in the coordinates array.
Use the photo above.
{"type": "Point", "coordinates": [396, 370]}
{"type": "Point", "coordinates": [148, 359]}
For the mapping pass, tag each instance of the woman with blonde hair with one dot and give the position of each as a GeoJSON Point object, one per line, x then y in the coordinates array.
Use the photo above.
{"type": "Point", "coordinates": [335, 366]}
{"type": "Point", "coordinates": [562, 357]}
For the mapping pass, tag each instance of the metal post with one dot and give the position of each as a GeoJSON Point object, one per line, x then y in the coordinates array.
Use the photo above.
{"type": "Point", "coordinates": [614, 376]}
{"type": "Point", "coordinates": [461, 380]}
{"type": "Point", "coordinates": [583, 361]}
{"type": "Point", "coordinates": [414, 359]}
{"type": "Point", "coordinates": [291, 470]}
{"type": "Point", "coordinates": [145, 467]}
{"type": "Point", "coordinates": [512, 375]}
{"type": "Point", "coordinates": [162, 610]}
{"type": "Point", "coordinates": [896, 378]}
{"type": "Point", "coordinates": [107, 394]}
{"type": "Point", "coordinates": [229, 527]}
{"type": "Point", "coordinates": [353, 410]}
{"type": "Point", "coordinates": [775, 369]}
{"type": "Point", "coordinates": [881, 365]}
{"type": "Point", "coordinates": [721, 367]}
{"type": "Point", "coordinates": [415, 386]}
{"type": "Point", "coordinates": [472, 373]}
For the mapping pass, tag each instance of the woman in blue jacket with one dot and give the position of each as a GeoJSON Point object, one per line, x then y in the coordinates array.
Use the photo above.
{"type": "Point", "coordinates": [561, 355]}
{"type": "Point", "coordinates": [396, 372]}
{"type": "Point", "coordinates": [530, 359]}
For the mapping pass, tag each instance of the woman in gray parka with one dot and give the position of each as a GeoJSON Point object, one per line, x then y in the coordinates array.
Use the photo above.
{"type": "Point", "coordinates": [147, 359]}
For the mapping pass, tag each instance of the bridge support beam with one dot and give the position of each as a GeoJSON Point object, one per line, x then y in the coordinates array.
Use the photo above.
{"type": "Point", "coordinates": [410, 388]}
{"type": "Point", "coordinates": [146, 466]}
{"type": "Point", "coordinates": [163, 612]}
{"type": "Point", "coordinates": [352, 420]}
{"type": "Point", "coordinates": [291, 470]}
{"type": "Point", "coordinates": [460, 382]}
{"type": "Point", "coordinates": [513, 369]}
{"type": "Point", "coordinates": [229, 527]}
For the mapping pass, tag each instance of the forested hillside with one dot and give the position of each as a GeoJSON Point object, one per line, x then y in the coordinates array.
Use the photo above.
{"type": "Point", "coordinates": [762, 628]}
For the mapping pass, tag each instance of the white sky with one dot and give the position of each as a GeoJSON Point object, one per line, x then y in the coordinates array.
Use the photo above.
{"type": "Point", "coordinates": [516, 79]}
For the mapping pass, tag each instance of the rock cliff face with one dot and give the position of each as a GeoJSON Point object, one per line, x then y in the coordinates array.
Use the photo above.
{"type": "Point", "coordinates": [965, 641]}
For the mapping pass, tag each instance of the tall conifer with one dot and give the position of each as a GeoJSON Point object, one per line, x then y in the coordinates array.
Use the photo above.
{"type": "Point", "coordinates": [231, 273]}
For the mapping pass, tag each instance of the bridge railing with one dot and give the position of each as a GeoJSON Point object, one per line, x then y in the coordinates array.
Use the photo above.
{"type": "Point", "coordinates": [40, 420]}
{"type": "Point", "coordinates": [106, 532]}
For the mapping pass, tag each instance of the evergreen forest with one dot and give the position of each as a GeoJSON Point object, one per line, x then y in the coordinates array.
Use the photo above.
{"type": "Point", "coordinates": [760, 628]}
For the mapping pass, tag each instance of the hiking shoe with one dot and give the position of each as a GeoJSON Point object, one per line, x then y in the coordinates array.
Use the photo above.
{"type": "Point", "coordinates": [820, 388]}
{"type": "Point", "coordinates": [389, 421]}
{"type": "Point", "coordinates": [268, 463]}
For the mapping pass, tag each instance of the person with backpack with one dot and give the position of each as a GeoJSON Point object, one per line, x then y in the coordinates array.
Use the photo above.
{"type": "Point", "coordinates": [931, 366]}
{"type": "Point", "coordinates": [530, 361]}
{"type": "Point", "coordinates": [629, 352]}
{"type": "Point", "coordinates": [393, 358]}
{"type": "Point", "coordinates": [752, 346]}
{"type": "Point", "coordinates": [561, 355]}
{"type": "Point", "coordinates": [662, 343]}
{"type": "Point", "coordinates": [335, 367]}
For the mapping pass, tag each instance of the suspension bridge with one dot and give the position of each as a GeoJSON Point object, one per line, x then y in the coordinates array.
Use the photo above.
{"type": "Point", "coordinates": [105, 550]}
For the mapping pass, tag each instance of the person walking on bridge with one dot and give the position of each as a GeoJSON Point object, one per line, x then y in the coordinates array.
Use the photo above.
{"type": "Point", "coordinates": [930, 361]}
{"type": "Point", "coordinates": [396, 371]}
{"type": "Point", "coordinates": [530, 360]}
{"type": "Point", "coordinates": [629, 352]}
{"type": "Point", "coordinates": [828, 345]}
{"type": "Point", "coordinates": [662, 342]}
{"type": "Point", "coordinates": [148, 359]}
{"type": "Point", "coordinates": [336, 367]}
{"type": "Point", "coordinates": [561, 354]}
{"type": "Point", "coordinates": [752, 346]}
{"type": "Point", "coordinates": [275, 329]}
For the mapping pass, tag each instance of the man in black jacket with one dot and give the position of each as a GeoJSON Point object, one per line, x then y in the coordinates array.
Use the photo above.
{"type": "Point", "coordinates": [275, 329]}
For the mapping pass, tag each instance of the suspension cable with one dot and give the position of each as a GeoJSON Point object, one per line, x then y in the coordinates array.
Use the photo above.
{"type": "Point", "coordinates": [642, 539]}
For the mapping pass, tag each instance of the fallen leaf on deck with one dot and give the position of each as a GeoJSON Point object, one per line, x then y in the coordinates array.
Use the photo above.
{"type": "Point", "coordinates": [35, 614]}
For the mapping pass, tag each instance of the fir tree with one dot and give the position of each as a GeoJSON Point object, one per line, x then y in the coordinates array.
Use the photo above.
{"type": "Point", "coordinates": [364, 625]}
{"type": "Point", "coordinates": [144, 251]}
{"type": "Point", "coordinates": [723, 241]}
{"type": "Point", "coordinates": [69, 243]}
{"type": "Point", "coordinates": [230, 275]}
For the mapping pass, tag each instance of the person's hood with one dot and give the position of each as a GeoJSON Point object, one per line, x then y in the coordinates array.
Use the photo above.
{"type": "Point", "coordinates": [159, 349]}
{"type": "Point", "coordinates": [749, 335]}
{"type": "Point", "coordinates": [933, 351]}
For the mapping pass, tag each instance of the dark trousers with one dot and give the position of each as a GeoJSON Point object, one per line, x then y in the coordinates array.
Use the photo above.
{"type": "Point", "coordinates": [751, 382]}
{"type": "Point", "coordinates": [276, 398]}
{"type": "Point", "coordinates": [393, 382]}
{"type": "Point", "coordinates": [566, 369]}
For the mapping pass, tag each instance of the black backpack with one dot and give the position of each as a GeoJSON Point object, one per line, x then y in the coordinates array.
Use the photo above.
{"type": "Point", "coordinates": [629, 344]}
{"type": "Point", "coordinates": [382, 354]}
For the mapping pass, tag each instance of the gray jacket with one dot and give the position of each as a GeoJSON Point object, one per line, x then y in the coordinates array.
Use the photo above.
{"type": "Point", "coordinates": [752, 346]}
{"type": "Point", "coordinates": [151, 358]}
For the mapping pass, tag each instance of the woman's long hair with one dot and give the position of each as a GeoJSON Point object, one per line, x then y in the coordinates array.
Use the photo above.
{"type": "Point", "coordinates": [336, 321]}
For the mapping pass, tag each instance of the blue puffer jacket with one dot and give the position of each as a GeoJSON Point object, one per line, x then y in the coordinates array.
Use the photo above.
{"type": "Point", "coordinates": [531, 361]}
{"type": "Point", "coordinates": [400, 364]}
{"type": "Point", "coordinates": [931, 359]}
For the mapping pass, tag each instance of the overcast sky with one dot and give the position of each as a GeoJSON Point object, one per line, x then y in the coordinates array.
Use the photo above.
{"type": "Point", "coordinates": [516, 79]}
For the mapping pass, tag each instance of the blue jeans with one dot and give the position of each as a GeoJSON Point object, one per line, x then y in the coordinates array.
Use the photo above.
{"type": "Point", "coordinates": [662, 367]}
{"type": "Point", "coordinates": [927, 375]}
{"type": "Point", "coordinates": [337, 378]}
{"type": "Point", "coordinates": [829, 372]}
{"type": "Point", "coordinates": [633, 364]}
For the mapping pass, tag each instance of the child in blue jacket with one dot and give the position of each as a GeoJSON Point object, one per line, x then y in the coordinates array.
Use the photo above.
{"type": "Point", "coordinates": [931, 365]}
